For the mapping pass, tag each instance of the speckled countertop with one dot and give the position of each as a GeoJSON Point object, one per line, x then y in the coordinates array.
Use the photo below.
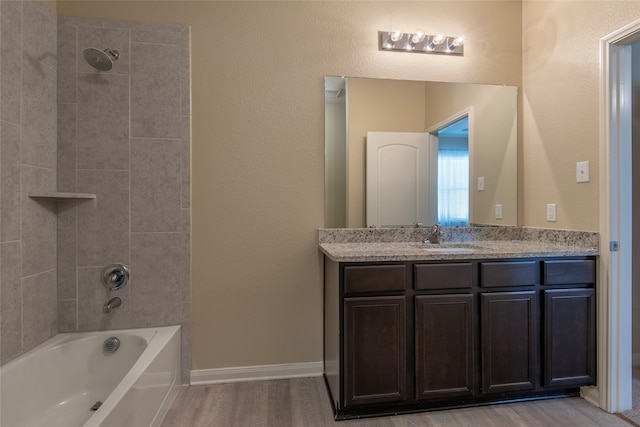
{"type": "Point", "coordinates": [413, 251]}
{"type": "Point", "coordinates": [517, 242]}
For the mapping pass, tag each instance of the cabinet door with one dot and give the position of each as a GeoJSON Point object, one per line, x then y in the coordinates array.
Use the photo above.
{"type": "Point", "coordinates": [569, 337]}
{"type": "Point", "coordinates": [508, 341]}
{"type": "Point", "coordinates": [374, 350]}
{"type": "Point", "coordinates": [444, 346]}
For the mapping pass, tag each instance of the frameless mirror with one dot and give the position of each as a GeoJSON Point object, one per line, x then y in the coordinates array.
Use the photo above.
{"type": "Point", "coordinates": [469, 134]}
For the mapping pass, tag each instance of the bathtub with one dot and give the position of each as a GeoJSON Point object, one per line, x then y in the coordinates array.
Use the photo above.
{"type": "Point", "coordinates": [58, 382]}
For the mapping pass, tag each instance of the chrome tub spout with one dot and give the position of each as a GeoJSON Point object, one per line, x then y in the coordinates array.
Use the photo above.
{"type": "Point", "coordinates": [111, 304]}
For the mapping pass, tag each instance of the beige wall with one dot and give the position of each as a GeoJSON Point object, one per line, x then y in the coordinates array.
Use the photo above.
{"type": "Point", "coordinates": [257, 146]}
{"type": "Point", "coordinates": [561, 87]}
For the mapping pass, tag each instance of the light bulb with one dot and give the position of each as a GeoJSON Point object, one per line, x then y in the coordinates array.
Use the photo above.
{"type": "Point", "coordinates": [455, 42]}
{"type": "Point", "coordinates": [438, 39]}
{"type": "Point", "coordinates": [435, 41]}
{"type": "Point", "coordinates": [417, 37]}
{"type": "Point", "coordinates": [395, 35]}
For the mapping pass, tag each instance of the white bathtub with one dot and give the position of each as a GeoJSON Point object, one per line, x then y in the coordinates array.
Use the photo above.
{"type": "Point", "coordinates": [57, 383]}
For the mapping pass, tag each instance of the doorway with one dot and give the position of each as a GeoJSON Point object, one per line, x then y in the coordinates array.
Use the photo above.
{"type": "Point", "coordinates": [616, 220]}
{"type": "Point", "coordinates": [453, 173]}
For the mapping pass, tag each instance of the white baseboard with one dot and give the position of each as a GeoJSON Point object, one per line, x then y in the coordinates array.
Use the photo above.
{"type": "Point", "coordinates": [591, 394]}
{"type": "Point", "coordinates": [636, 359]}
{"type": "Point", "coordinates": [256, 373]}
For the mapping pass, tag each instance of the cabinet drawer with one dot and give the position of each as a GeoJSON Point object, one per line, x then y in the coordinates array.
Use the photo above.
{"type": "Point", "coordinates": [443, 276]}
{"type": "Point", "coordinates": [512, 273]}
{"type": "Point", "coordinates": [373, 278]}
{"type": "Point", "coordinates": [567, 272]}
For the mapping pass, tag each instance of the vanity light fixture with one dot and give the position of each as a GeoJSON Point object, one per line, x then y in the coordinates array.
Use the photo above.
{"type": "Point", "coordinates": [419, 42]}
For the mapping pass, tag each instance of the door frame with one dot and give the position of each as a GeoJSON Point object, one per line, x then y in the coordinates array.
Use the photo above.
{"type": "Point", "coordinates": [433, 132]}
{"type": "Point", "coordinates": [614, 392]}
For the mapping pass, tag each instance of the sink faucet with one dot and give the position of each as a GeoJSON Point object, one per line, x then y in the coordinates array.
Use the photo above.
{"type": "Point", "coordinates": [111, 304]}
{"type": "Point", "coordinates": [436, 234]}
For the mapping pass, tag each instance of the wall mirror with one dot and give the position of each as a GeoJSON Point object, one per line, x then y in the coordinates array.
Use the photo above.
{"type": "Point", "coordinates": [478, 119]}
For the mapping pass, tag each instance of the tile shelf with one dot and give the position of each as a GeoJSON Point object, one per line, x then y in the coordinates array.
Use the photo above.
{"type": "Point", "coordinates": [62, 195]}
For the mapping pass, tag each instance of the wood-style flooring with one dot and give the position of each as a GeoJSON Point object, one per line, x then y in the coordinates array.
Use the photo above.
{"type": "Point", "coordinates": [304, 402]}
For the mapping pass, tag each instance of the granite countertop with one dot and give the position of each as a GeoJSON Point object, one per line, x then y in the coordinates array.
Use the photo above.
{"type": "Point", "coordinates": [480, 249]}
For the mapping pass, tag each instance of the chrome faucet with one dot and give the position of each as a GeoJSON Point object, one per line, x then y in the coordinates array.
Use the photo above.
{"type": "Point", "coordinates": [436, 234]}
{"type": "Point", "coordinates": [111, 304]}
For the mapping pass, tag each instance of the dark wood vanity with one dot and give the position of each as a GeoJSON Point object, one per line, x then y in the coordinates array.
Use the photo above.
{"type": "Point", "coordinates": [418, 335]}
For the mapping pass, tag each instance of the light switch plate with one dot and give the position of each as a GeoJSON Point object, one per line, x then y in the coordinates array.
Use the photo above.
{"type": "Point", "coordinates": [499, 211]}
{"type": "Point", "coordinates": [551, 212]}
{"type": "Point", "coordinates": [582, 171]}
{"type": "Point", "coordinates": [481, 183]}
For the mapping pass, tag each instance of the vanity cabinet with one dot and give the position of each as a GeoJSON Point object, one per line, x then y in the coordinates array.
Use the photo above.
{"type": "Point", "coordinates": [508, 320]}
{"type": "Point", "coordinates": [569, 323]}
{"type": "Point", "coordinates": [375, 350]}
{"type": "Point", "coordinates": [420, 335]}
{"type": "Point", "coordinates": [445, 365]}
{"type": "Point", "coordinates": [375, 362]}
{"type": "Point", "coordinates": [508, 341]}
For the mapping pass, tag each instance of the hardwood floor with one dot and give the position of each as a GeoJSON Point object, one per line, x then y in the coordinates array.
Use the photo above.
{"type": "Point", "coordinates": [304, 402]}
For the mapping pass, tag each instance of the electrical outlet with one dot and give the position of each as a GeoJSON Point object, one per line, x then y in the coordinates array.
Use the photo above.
{"type": "Point", "coordinates": [498, 211]}
{"type": "Point", "coordinates": [481, 183]}
{"type": "Point", "coordinates": [551, 212]}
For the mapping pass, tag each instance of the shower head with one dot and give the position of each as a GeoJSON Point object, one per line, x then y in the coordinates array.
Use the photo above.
{"type": "Point", "coordinates": [101, 60]}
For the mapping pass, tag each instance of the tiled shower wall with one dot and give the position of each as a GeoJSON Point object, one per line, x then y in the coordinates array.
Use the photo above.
{"type": "Point", "coordinates": [27, 164]}
{"type": "Point", "coordinates": [124, 135]}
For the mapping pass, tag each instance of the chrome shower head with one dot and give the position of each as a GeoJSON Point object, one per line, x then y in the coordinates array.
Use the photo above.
{"type": "Point", "coordinates": [101, 60]}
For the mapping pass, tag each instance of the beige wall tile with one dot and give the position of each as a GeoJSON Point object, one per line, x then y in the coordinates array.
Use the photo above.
{"type": "Point", "coordinates": [103, 223]}
{"type": "Point", "coordinates": [155, 185]}
{"type": "Point", "coordinates": [9, 182]}
{"type": "Point", "coordinates": [67, 315]}
{"type": "Point", "coordinates": [103, 121]}
{"type": "Point", "coordinates": [186, 162]}
{"type": "Point", "coordinates": [186, 255]}
{"type": "Point", "coordinates": [156, 37]}
{"type": "Point", "coordinates": [185, 72]}
{"type": "Point", "coordinates": [155, 286]}
{"type": "Point", "coordinates": [11, 302]}
{"type": "Point", "coordinates": [67, 237]}
{"type": "Point", "coordinates": [185, 326]}
{"type": "Point", "coordinates": [39, 30]}
{"type": "Point", "coordinates": [39, 113]}
{"type": "Point", "coordinates": [155, 91]}
{"type": "Point", "coordinates": [67, 63]}
{"type": "Point", "coordinates": [40, 307]}
{"type": "Point", "coordinates": [10, 77]}
{"type": "Point", "coordinates": [67, 158]}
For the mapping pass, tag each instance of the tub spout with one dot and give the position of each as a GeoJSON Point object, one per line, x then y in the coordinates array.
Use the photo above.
{"type": "Point", "coordinates": [111, 304]}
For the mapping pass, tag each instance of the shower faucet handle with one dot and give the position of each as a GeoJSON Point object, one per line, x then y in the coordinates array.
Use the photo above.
{"type": "Point", "coordinates": [115, 276]}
